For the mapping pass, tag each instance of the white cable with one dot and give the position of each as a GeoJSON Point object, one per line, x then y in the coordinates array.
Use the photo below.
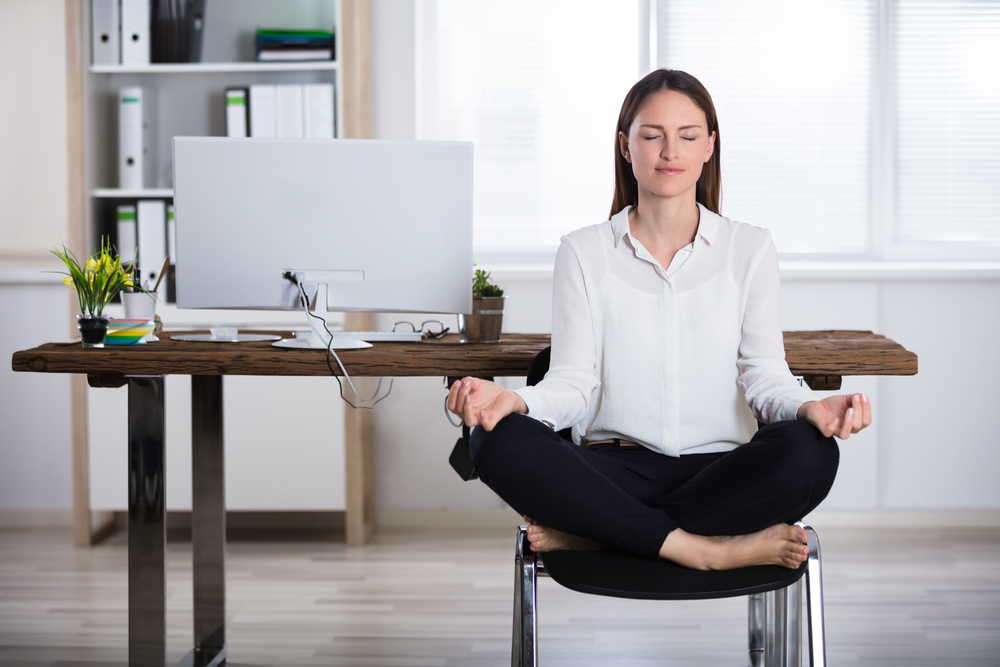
{"type": "Point", "coordinates": [329, 348]}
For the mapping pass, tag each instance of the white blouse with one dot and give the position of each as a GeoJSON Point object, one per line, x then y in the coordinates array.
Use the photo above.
{"type": "Point", "coordinates": [666, 358]}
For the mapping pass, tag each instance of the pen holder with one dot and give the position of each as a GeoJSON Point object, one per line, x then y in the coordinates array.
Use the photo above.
{"type": "Point", "coordinates": [139, 305]}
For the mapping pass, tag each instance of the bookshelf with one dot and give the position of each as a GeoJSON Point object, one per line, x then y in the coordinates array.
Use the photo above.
{"type": "Point", "coordinates": [189, 101]}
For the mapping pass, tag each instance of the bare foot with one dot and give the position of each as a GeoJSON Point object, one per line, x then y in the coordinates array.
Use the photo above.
{"type": "Point", "coordinates": [780, 544]}
{"type": "Point", "coordinates": [543, 538]}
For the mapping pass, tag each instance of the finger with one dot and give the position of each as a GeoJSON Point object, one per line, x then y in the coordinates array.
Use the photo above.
{"type": "Point", "coordinates": [856, 404]}
{"type": "Point", "coordinates": [866, 411]}
{"type": "Point", "coordinates": [846, 423]}
{"type": "Point", "coordinates": [453, 396]}
{"type": "Point", "coordinates": [464, 389]}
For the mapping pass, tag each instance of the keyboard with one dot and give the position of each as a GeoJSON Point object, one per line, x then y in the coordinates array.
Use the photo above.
{"type": "Point", "coordinates": [379, 336]}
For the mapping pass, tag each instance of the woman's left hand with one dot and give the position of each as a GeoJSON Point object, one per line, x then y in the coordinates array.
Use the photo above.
{"type": "Point", "coordinates": [838, 415]}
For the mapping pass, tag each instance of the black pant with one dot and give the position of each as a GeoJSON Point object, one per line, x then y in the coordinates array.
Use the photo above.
{"type": "Point", "coordinates": [631, 497]}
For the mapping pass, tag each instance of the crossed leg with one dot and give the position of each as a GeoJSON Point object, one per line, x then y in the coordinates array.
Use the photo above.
{"type": "Point", "coordinates": [705, 511]}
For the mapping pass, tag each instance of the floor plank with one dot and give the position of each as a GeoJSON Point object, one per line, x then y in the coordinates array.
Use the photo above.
{"type": "Point", "coordinates": [436, 598]}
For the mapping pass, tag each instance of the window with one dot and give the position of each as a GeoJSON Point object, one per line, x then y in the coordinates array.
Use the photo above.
{"type": "Point", "coordinates": [850, 128]}
{"type": "Point", "coordinates": [537, 86]}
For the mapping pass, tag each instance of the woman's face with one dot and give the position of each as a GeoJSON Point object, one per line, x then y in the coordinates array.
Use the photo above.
{"type": "Point", "coordinates": [668, 144]}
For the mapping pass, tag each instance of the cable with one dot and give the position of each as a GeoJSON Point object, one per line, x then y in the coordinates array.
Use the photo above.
{"type": "Point", "coordinates": [329, 350]}
{"type": "Point", "coordinates": [447, 415]}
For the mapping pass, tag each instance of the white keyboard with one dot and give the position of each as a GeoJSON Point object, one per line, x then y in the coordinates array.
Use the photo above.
{"type": "Point", "coordinates": [379, 336]}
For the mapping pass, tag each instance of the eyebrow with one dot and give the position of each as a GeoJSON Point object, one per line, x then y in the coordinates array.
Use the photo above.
{"type": "Point", "coordinates": [660, 127]}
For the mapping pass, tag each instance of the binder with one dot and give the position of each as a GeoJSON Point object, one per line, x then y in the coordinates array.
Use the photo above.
{"type": "Point", "coordinates": [288, 119]}
{"type": "Point", "coordinates": [236, 112]}
{"type": "Point", "coordinates": [318, 110]}
{"type": "Point", "coordinates": [126, 234]}
{"type": "Point", "coordinates": [171, 235]}
{"type": "Point", "coordinates": [131, 123]}
{"type": "Point", "coordinates": [152, 226]}
{"type": "Point", "coordinates": [262, 111]}
{"type": "Point", "coordinates": [105, 32]}
{"type": "Point", "coordinates": [135, 32]}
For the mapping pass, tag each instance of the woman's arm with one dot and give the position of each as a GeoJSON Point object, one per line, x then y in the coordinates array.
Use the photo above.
{"type": "Point", "coordinates": [771, 391]}
{"type": "Point", "coordinates": [561, 399]}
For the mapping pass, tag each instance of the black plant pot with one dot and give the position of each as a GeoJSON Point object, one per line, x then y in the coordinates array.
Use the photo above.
{"type": "Point", "coordinates": [93, 330]}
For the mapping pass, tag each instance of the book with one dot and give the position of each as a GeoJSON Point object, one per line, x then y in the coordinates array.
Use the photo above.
{"type": "Point", "coordinates": [237, 112]}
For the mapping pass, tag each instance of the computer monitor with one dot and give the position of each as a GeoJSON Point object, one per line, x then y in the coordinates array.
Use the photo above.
{"type": "Point", "coordinates": [385, 225]}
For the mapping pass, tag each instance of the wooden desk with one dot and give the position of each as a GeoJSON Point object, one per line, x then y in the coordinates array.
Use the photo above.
{"type": "Point", "coordinates": [821, 356]}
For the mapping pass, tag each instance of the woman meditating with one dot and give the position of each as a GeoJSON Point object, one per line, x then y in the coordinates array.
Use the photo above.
{"type": "Point", "coordinates": [666, 351]}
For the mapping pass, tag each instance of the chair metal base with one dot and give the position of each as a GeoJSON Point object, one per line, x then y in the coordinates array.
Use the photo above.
{"type": "Point", "coordinates": [775, 617]}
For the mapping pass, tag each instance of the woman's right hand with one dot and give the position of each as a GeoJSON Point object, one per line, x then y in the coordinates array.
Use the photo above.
{"type": "Point", "coordinates": [483, 403]}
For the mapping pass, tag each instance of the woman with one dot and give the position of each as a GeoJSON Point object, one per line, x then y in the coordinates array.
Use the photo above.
{"type": "Point", "coordinates": [665, 328]}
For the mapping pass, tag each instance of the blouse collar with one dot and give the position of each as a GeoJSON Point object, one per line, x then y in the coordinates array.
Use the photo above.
{"type": "Point", "coordinates": [708, 224]}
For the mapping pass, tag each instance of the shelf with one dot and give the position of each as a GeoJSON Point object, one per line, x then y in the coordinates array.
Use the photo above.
{"type": "Point", "coordinates": [145, 193]}
{"type": "Point", "coordinates": [199, 68]}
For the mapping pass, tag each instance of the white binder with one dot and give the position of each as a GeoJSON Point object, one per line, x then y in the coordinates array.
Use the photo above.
{"type": "Point", "coordinates": [152, 224]}
{"type": "Point", "coordinates": [317, 106]}
{"type": "Point", "coordinates": [288, 119]}
{"type": "Point", "coordinates": [131, 154]}
{"type": "Point", "coordinates": [171, 235]}
{"type": "Point", "coordinates": [105, 31]}
{"type": "Point", "coordinates": [236, 112]}
{"type": "Point", "coordinates": [126, 234]}
{"type": "Point", "coordinates": [262, 111]}
{"type": "Point", "coordinates": [135, 32]}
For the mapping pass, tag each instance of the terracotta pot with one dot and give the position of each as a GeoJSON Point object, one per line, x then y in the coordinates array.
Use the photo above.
{"type": "Point", "coordinates": [484, 323]}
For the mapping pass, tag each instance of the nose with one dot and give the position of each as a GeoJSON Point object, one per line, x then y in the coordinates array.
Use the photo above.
{"type": "Point", "coordinates": [669, 149]}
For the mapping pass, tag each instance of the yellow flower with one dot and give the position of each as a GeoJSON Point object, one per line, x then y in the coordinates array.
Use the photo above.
{"type": "Point", "coordinates": [91, 264]}
{"type": "Point", "coordinates": [69, 281]}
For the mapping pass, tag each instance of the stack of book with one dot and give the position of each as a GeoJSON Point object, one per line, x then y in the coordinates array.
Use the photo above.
{"type": "Point", "coordinates": [294, 45]}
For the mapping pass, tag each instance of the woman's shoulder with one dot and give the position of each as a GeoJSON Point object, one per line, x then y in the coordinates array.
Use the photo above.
{"type": "Point", "coordinates": [590, 238]}
{"type": "Point", "coordinates": [740, 234]}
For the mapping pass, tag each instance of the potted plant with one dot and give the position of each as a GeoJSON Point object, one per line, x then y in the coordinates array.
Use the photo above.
{"type": "Point", "coordinates": [96, 283]}
{"type": "Point", "coordinates": [484, 323]}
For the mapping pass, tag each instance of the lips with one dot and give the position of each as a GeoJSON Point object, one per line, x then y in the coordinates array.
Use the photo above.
{"type": "Point", "coordinates": [670, 171]}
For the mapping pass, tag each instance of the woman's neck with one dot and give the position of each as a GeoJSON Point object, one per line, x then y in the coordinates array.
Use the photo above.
{"type": "Point", "coordinates": [664, 225]}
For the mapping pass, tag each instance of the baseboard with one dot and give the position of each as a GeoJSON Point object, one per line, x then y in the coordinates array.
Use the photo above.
{"type": "Point", "coordinates": [14, 519]}
{"type": "Point", "coordinates": [403, 519]}
{"type": "Point", "coordinates": [883, 518]}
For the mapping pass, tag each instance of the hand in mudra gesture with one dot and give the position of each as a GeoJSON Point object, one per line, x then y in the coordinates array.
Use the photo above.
{"type": "Point", "coordinates": [483, 403]}
{"type": "Point", "coordinates": [838, 415]}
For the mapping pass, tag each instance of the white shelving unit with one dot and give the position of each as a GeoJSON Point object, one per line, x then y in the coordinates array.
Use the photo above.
{"type": "Point", "coordinates": [275, 460]}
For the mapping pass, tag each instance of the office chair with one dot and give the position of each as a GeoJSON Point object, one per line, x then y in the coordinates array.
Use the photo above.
{"type": "Point", "coordinates": [774, 602]}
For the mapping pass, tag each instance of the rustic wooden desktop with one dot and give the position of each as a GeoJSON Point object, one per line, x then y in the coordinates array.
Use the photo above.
{"type": "Point", "coordinates": [821, 357]}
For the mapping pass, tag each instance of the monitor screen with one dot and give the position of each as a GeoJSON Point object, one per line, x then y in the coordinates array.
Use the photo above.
{"type": "Point", "coordinates": [386, 225]}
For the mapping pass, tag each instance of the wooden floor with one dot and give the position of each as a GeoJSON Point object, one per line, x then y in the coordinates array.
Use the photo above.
{"type": "Point", "coordinates": [433, 597]}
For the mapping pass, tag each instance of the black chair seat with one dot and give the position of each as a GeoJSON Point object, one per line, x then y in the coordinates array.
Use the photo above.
{"type": "Point", "coordinates": [623, 575]}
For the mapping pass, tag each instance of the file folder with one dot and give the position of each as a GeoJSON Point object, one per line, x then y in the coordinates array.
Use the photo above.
{"type": "Point", "coordinates": [131, 123]}
{"type": "Point", "coordinates": [318, 110]}
{"type": "Point", "coordinates": [126, 234]}
{"type": "Point", "coordinates": [105, 32]}
{"type": "Point", "coordinates": [152, 227]}
{"type": "Point", "coordinates": [171, 235]}
{"type": "Point", "coordinates": [288, 119]}
{"type": "Point", "coordinates": [135, 32]}
{"type": "Point", "coordinates": [262, 111]}
{"type": "Point", "coordinates": [236, 112]}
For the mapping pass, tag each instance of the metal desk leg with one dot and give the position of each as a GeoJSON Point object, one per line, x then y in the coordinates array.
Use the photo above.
{"type": "Point", "coordinates": [147, 622]}
{"type": "Point", "coordinates": [208, 522]}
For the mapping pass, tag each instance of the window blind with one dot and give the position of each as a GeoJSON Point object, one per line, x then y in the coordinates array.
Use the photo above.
{"type": "Point", "coordinates": [947, 95]}
{"type": "Point", "coordinates": [537, 86]}
{"type": "Point", "coordinates": [792, 84]}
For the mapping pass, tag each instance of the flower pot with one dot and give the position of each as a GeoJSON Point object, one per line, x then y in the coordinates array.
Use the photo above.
{"type": "Point", "coordinates": [93, 330]}
{"type": "Point", "coordinates": [484, 323]}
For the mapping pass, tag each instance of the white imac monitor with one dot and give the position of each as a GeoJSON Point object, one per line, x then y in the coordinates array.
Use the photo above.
{"type": "Point", "coordinates": [386, 226]}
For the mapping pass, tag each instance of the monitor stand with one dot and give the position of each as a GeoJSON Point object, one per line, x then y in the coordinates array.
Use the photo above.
{"type": "Point", "coordinates": [317, 337]}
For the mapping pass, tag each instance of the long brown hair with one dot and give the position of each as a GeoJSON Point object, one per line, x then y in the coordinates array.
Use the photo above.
{"type": "Point", "coordinates": [709, 189]}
